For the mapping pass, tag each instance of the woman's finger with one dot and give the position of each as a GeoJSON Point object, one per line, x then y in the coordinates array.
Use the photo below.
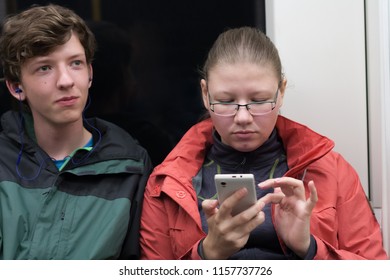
{"type": "Point", "coordinates": [280, 182]}
{"type": "Point", "coordinates": [313, 198]}
{"type": "Point", "coordinates": [225, 209]}
{"type": "Point", "coordinates": [209, 207]}
{"type": "Point", "coordinates": [273, 197]}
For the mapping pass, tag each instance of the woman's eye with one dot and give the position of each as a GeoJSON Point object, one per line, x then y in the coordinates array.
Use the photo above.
{"type": "Point", "coordinates": [261, 99]}
{"type": "Point", "coordinates": [225, 100]}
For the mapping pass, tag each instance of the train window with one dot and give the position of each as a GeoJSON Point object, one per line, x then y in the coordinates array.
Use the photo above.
{"type": "Point", "coordinates": [146, 75]}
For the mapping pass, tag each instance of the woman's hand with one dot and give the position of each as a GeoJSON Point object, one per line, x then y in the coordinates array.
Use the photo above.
{"type": "Point", "coordinates": [292, 211]}
{"type": "Point", "coordinates": [227, 234]}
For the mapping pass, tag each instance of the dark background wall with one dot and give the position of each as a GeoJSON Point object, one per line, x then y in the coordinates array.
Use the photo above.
{"type": "Point", "coordinates": [146, 75]}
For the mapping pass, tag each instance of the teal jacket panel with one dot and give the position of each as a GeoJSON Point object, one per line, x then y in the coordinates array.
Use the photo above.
{"type": "Point", "coordinates": [88, 210]}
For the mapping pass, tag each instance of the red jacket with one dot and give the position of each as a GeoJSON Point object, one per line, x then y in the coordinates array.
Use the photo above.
{"type": "Point", "coordinates": [342, 222]}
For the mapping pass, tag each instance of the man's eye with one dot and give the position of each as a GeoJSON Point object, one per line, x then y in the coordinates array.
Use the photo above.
{"type": "Point", "coordinates": [77, 62]}
{"type": "Point", "coordinates": [44, 68]}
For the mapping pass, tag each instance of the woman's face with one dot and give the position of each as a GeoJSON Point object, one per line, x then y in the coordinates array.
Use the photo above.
{"type": "Point", "coordinates": [243, 83]}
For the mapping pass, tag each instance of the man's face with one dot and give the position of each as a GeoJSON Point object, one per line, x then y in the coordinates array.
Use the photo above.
{"type": "Point", "coordinates": [56, 85]}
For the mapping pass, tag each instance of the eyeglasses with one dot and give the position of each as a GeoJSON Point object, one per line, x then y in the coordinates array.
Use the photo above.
{"type": "Point", "coordinates": [228, 109]}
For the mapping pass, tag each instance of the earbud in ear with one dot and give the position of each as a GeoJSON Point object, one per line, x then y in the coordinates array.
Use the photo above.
{"type": "Point", "coordinates": [90, 79]}
{"type": "Point", "coordinates": [18, 90]}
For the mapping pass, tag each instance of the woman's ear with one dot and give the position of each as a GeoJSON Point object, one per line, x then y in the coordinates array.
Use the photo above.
{"type": "Point", "coordinates": [203, 86]}
{"type": "Point", "coordinates": [282, 90]}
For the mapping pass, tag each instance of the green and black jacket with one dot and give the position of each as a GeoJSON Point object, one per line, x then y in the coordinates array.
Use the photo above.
{"type": "Point", "coordinates": [88, 210]}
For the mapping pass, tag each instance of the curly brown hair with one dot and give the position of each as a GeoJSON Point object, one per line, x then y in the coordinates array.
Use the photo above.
{"type": "Point", "coordinates": [37, 31]}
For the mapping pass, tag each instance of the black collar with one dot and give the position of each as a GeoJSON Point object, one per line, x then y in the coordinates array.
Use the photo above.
{"type": "Point", "coordinates": [225, 155]}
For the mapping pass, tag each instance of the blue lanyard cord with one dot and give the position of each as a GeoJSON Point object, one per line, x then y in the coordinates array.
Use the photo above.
{"type": "Point", "coordinates": [42, 161]}
{"type": "Point", "coordinates": [20, 154]}
{"type": "Point", "coordinates": [99, 139]}
{"type": "Point", "coordinates": [91, 149]}
{"type": "Point", "coordinates": [89, 146]}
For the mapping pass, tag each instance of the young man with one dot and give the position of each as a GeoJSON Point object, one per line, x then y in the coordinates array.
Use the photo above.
{"type": "Point", "coordinates": [70, 188]}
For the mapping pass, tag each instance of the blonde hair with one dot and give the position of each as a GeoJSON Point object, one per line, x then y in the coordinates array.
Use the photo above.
{"type": "Point", "coordinates": [244, 44]}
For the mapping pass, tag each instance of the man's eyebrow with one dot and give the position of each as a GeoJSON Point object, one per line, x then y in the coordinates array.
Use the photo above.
{"type": "Point", "coordinates": [39, 59]}
{"type": "Point", "coordinates": [78, 55]}
{"type": "Point", "coordinates": [45, 59]}
{"type": "Point", "coordinates": [35, 61]}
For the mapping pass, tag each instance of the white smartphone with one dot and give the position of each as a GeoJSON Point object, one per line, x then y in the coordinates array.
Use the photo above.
{"type": "Point", "coordinates": [227, 184]}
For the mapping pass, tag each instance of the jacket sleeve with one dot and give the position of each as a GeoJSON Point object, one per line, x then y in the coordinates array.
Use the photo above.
{"type": "Point", "coordinates": [167, 231]}
{"type": "Point", "coordinates": [358, 233]}
{"type": "Point", "coordinates": [1, 242]}
{"type": "Point", "coordinates": [154, 233]}
{"type": "Point", "coordinates": [131, 247]}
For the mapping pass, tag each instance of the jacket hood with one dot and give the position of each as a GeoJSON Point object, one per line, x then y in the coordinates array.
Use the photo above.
{"type": "Point", "coordinates": [303, 145]}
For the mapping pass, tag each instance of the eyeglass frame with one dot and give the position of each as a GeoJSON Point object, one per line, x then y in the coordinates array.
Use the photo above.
{"type": "Point", "coordinates": [274, 101]}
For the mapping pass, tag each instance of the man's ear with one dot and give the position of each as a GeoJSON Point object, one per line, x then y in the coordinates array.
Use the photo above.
{"type": "Point", "coordinates": [90, 77]}
{"type": "Point", "coordinates": [205, 97]}
{"type": "Point", "coordinates": [16, 90]}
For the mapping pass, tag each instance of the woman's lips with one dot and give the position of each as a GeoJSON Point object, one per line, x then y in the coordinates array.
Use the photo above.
{"type": "Point", "coordinates": [243, 134]}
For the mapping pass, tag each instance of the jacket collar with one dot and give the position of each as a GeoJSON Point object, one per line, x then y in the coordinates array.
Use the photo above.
{"type": "Point", "coordinates": [109, 134]}
{"type": "Point", "coordinates": [227, 156]}
{"type": "Point", "coordinates": [303, 146]}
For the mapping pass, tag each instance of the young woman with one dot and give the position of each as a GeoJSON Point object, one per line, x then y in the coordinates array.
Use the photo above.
{"type": "Point", "coordinates": [310, 205]}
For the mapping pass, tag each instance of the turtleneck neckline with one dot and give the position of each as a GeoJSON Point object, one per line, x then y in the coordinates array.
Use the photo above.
{"type": "Point", "coordinates": [227, 156]}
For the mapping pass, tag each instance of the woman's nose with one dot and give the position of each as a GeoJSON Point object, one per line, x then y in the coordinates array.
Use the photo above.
{"type": "Point", "coordinates": [243, 114]}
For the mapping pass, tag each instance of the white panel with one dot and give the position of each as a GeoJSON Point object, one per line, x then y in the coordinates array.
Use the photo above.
{"type": "Point", "coordinates": [322, 47]}
{"type": "Point", "coordinates": [378, 70]}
